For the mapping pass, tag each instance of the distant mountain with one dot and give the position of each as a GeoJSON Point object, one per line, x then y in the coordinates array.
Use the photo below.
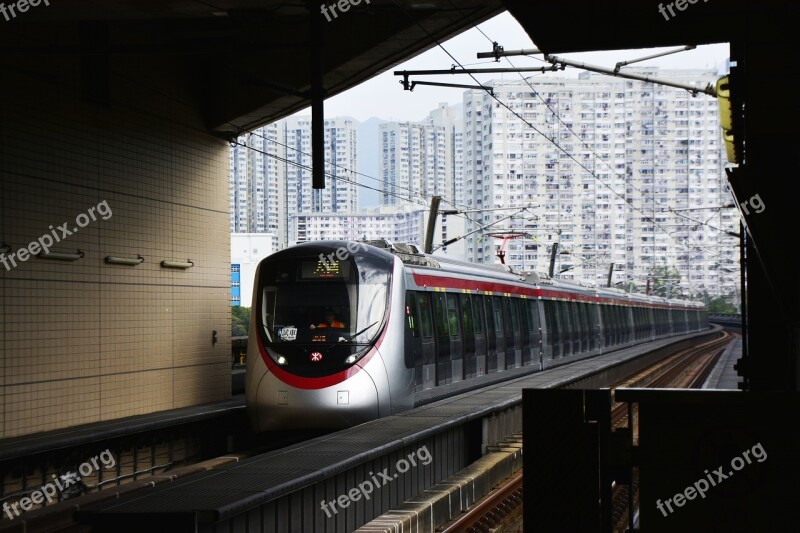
{"type": "Point", "coordinates": [369, 161]}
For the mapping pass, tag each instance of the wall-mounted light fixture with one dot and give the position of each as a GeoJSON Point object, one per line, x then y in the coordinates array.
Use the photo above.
{"type": "Point", "coordinates": [130, 261]}
{"type": "Point", "coordinates": [4, 248]}
{"type": "Point", "coordinates": [61, 256]}
{"type": "Point", "coordinates": [177, 264]}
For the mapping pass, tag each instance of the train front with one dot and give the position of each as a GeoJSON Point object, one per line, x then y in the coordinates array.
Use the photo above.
{"type": "Point", "coordinates": [320, 313]}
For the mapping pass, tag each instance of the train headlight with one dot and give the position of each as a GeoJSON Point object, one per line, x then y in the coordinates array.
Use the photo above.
{"type": "Point", "coordinates": [277, 358]}
{"type": "Point", "coordinates": [356, 356]}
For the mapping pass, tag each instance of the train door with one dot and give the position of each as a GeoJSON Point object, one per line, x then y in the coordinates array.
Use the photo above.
{"type": "Point", "coordinates": [519, 308]}
{"type": "Point", "coordinates": [594, 326]}
{"type": "Point", "coordinates": [632, 326]}
{"type": "Point", "coordinates": [481, 342]}
{"type": "Point", "coordinates": [577, 330]}
{"type": "Point", "coordinates": [515, 332]}
{"type": "Point", "coordinates": [583, 312]}
{"type": "Point", "coordinates": [427, 342]}
{"type": "Point", "coordinates": [501, 339]}
{"type": "Point", "coordinates": [554, 331]}
{"type": "Point", "coordinates": [535, 328]}
{"type": "Point", "coordinates": [546, 320]}
{"type": "Point", "coordinates": [605, 325]}
{"type": "Point", "coordinates": [413, 339]}
{"type": "Point", "coordinates": [566, 334]}
{"type": "Point", "coordinates": [491, 336]}
{"type": "Point", "coordinates": [444, 371]}
{"type": "Point", "coordinates": [456, 338]}
{"type": "Point", "coordinates": [468, 330]}
{"type": "Point", "coordinates": [525, 333]}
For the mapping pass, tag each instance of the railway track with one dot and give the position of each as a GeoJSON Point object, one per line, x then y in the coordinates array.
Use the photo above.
{"type": "Point", "coordinates": [501, 510]}
{"type": "Point", "coordinates": [686, 369]}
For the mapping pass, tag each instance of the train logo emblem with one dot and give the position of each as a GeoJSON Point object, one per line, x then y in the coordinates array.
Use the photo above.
{"type": "Point", "coordinates": [315, 357]}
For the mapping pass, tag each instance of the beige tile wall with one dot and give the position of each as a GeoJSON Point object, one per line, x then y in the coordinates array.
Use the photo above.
{"type": "Point", "coordinates": [85, 341]}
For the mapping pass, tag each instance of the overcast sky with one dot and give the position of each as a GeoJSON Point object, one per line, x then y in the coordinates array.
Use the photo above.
{"type": "Point", "coordinates": [383, 96]}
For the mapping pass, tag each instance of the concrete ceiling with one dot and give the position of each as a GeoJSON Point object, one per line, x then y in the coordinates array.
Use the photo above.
{"type": "Point", "coordinates": [247, 61]}
{"type": "Point", "coordinates": [581, 25]}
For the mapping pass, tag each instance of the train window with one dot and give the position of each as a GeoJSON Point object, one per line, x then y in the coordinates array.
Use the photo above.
{"type": "Point", "coordinates": [576, 326]}
{"type": "Point", "coordinates": [514, 303]}
{"type": "Point", "coordinates": [583, 311]}
{"type": "Point", "coordinates": [533, 321]}
{"type": "Point", "coordinates": [553, 318]}
{"type": "Point", "coordinates": [490, 327]}
{"type": "Point", "coordinates": [413, 348]}
{"type": "Point", "coordinates": [567, 321]}
{"type": "Point", "coordinates": [498, 314]}
{"type": "Point", "coordinates": [439, 316]}
{"type": "Point", "coordinates": [477, 311]}
{"type": "Point", "coordinates": [425, 315]}
{"type": "Point", "coordinates": [533, 310]}
{"type": "Point", "coordinates": [549, 318]}
{"type": "Point", "coordinates": [607, 325]}
{"type": "Point", "coordinates": [299, 294]}
{"type": "Point", "coordinates": [466, 316]}
{"type": "Point", "coordinates": [576, 320]}
{"type": "Point", "coordinates": [560, 327]}
{"type": "Point", "coordinates": [525, 309]}
{"type": "Point", "coordinates": [452, 315]}
{"type": "Point", "coordinates": [411, 314]}
{"type": "Point", "coordinates": [441, 326]}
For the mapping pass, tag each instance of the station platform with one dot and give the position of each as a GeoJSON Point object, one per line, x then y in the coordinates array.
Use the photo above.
{"type": "Point", "coordinates": [723, 376]}
{"type": "Point", "coordinates": [281, 490]}
{"type": "Point", "coordinates": [74, 436]}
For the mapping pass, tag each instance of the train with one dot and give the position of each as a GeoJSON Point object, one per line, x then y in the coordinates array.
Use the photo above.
{"type": "Point", "coordinates": [344, 332]}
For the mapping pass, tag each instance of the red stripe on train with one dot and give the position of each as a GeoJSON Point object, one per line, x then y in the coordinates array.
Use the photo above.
{"type": "Point", "coordinates": [427, 280]}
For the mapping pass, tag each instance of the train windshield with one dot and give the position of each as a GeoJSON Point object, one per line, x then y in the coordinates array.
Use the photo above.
{"type": "Point", "coordinates": [309, 300]}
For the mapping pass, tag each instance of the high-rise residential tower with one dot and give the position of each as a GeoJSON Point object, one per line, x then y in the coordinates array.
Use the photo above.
{"type": "Point", "coordinates": [619, 171]}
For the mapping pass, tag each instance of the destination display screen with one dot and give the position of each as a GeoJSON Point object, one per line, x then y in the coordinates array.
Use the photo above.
{"type": "Point", "coordinates": [324, 269]}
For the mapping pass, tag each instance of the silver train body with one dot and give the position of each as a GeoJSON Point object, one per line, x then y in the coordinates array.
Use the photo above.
{"type": "Point", "coordinates": [406, 322]}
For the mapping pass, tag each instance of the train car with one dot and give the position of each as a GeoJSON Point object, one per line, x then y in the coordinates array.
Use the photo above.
{"type": "Point", "coordinates": [346, 332]}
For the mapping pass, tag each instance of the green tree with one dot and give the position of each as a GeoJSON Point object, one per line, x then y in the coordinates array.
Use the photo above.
{"type": "Point", "coordinates": [720, 305]}
{"type": "Point", "coordinates": [664, 281]}
{"type": "Point", "coordinates": [240, 321]}
{"type": "Point", "coordinates": [628, 286]}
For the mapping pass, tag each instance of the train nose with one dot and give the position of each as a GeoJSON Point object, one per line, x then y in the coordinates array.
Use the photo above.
{"type": "Point", "coordinates": [345, 404]}
{"type": "Point", "coordinates": [252, 394]}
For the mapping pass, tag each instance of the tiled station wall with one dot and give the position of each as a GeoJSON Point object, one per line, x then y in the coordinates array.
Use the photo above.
{"type": "Point", "coordinates": [85, 341]}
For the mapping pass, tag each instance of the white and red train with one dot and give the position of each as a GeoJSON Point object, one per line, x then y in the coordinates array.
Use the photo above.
{"type": "Point", "coordinates": [341, 337]}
